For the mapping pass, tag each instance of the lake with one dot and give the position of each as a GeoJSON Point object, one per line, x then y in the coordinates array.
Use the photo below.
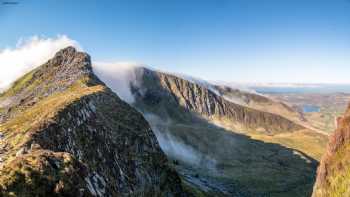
{"type": "Point", "coordinates": [311, 108]}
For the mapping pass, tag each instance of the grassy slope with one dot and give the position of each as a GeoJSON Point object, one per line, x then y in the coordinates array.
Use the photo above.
{"type": "Point", "coordinates": [338, 176]}
{"type": "Point", "coordinates": [333, 178]}
{"type": "Point", "coordinates": [306, 141]}
{"type": "Point", "coordinates": [339, 170]}
{"type": "Point", "coordinates": [17, 129]}
{"type": "Point", "coordinates": [255, 167]}
{"type": "Point", "coordinates": [20, 84]}
{"type": "Point", "coordinates": [262, 103]}
{"type": "Point", "coordinates": [17, 132]}
{"type": "Point", "coordinates": [325, 119]}
{"type": "Point", "coordinates": [36, 172]}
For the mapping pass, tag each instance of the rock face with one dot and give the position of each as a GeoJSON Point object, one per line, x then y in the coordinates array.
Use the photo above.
{"type": "Point", "coordinates": [64, 133]}
{"type": "Point", "coordinates": [333, 174]}
{"type": "Point", "coordinates": [197, 99]}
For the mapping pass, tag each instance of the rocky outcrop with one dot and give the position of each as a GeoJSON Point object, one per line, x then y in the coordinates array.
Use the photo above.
{"type": "Point", "coordinates": [64, 133]}
{"type": "Point", "coordinates": [157, 86]}
{"type": "Point", "coordinates": [333, 174]}
{"type": "Point", "coordinates": [41, 173]}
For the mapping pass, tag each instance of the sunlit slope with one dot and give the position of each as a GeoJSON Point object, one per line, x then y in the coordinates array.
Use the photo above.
{"type": "Point", "coordinates": [60, 137]}
{"type": "Point", "coordinates": [259, 102]}
{"type": "Point", "coordinates": [333, 175]}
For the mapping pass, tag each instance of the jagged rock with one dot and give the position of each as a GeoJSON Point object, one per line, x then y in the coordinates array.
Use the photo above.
{"type": "Point", "coordinates": [35, 146]}
{"type": "Point", "coordinates": [44, 173]}
{"type": "Point", "coordinates": [193, 97]}
{"type": "Point", "coordinates": [70, 135]}
{"type": "Point", "coordinates": [21, 152]}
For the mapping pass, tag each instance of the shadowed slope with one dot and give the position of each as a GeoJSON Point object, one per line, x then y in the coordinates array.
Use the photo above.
{"type": "Point", "coordinates": [213, 135]}
{"type": "Point", "coordinates": [168, 91]}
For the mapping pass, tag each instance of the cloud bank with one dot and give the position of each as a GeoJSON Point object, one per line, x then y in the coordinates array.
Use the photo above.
{"type": "Point", "coordinates": [31, 53]}
{"type": "Point", "coordinates": [118, 76]}
{"type": "Point", "coordinates": [28, 54]}
{"type": "Point", "coordinates": [175, 148]}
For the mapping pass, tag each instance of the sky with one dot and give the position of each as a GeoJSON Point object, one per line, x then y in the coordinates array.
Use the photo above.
{"type": "Point", "coordinates": [255, 41]}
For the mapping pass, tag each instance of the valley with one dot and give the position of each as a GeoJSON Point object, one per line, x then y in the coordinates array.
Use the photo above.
{"type": "Point", "coordinates": [232, 140]}
{"type": "Point", "coordinates": [322, 109]}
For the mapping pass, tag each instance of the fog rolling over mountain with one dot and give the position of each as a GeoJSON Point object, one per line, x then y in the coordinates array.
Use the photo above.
{"type": "Point", "coordinates": [64, 133]}
{"type": "Point", "coordinates": [231, 148]}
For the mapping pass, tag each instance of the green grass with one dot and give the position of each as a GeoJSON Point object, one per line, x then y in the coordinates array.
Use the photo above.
{"type": "Point", "coordinates": [33, 175]}
{"type": "Point", "coordinates": [20, 84]}
{"type": "Point", "coordinates": [259, 167]}
{"type": "Point", "coordinates": [338, 175]}
{"type": "Point", "coordinates": [16, 128]}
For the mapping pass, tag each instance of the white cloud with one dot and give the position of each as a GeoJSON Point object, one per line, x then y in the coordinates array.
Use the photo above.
{"type": "Point", "coordinates": [28, 54]}
{"type": "Point", "coordinates": [35, 51]}
{"type": "Point", "coordinates": [118, 76]}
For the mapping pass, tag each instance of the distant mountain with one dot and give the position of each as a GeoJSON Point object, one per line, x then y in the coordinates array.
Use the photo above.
{"type": "Point", "coordinates": [64, 133]}
{"type": "Point", "coordinates": [227, 142]}
{"type": "Point", "coordinates": [260, 102]}
{"type": "Point", "coordinates": [300, 88]}
{"type": "Point", "coordinates": [333, 175]}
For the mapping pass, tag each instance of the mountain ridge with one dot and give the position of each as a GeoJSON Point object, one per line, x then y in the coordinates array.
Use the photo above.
{"type": "Point", "coordinates": [188, 115]}
{"type": "Point", "coordinates": [209, 108]}
{"type": "Point", "coordinates": [59, 136]}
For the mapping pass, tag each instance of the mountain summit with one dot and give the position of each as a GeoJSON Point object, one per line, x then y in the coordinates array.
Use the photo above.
{"type": "Point", "coordinates": [64, 133]}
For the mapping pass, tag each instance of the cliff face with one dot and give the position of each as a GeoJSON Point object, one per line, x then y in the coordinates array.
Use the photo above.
{"type": "Point", "coordinates": [203, 101]}
{"type": "Point", "coordinates": [232, 149]}
{"type": "Point", "coordinates": [333, 174]}
{"type": "Point", "coordinates": [64, 133]}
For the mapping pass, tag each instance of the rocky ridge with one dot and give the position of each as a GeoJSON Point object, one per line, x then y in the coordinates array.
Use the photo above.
{"type": "Point", "coordinates": [64, 133]}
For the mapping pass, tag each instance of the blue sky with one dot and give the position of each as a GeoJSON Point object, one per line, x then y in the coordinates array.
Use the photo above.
{"type": "Point", "coordinates": [305, 41]}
